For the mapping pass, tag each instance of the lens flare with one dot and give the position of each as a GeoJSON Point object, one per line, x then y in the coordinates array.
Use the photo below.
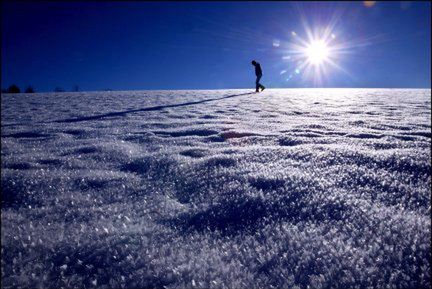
{"type": "Point", "coordinates": [369, 4]}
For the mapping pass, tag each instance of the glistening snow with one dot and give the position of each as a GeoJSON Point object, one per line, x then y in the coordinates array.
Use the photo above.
{"type": "Point", "coordinates": [320, 188]}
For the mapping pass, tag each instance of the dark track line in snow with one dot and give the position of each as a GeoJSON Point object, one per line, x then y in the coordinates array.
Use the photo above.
{"type": "Point", "coordinates": [159, 107]}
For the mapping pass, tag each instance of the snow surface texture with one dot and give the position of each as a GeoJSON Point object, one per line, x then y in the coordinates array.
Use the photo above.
{"type": "Point", "coordinates": [287, 188]}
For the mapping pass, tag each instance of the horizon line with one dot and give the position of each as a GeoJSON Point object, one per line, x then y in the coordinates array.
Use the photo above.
{"type": "Point", "coordinates": [195, 89]}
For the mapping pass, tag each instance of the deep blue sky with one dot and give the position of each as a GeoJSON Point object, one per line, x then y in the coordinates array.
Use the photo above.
{"type": "Point", "coordinates": [209, 45]}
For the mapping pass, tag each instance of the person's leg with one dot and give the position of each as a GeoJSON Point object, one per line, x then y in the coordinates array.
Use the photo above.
{"type": "Point", "coordinates": [257, 83]}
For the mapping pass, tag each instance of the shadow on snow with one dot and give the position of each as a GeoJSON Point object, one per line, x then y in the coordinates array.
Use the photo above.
{"type": "Point", "coordinates": [153, 108]}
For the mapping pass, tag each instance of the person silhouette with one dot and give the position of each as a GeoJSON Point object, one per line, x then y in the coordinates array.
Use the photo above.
{"type": "Point", "coordinates": [258, 73]}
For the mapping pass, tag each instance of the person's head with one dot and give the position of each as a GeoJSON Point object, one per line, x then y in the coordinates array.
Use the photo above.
{"type": "Point", "coordinates": [253, 62]}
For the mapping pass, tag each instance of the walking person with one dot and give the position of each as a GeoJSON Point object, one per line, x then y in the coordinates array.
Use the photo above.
{"type": "Point", "coordinates": [258, 73]}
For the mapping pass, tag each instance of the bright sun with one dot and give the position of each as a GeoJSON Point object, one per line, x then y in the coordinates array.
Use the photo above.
{"type": "Point", "coordinates": [317, 52]}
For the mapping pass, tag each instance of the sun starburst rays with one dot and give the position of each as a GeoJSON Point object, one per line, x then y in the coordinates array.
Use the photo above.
{"type": "Point", "coordinates": [316, 54]}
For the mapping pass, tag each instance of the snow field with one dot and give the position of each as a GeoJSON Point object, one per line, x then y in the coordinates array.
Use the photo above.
{"type": "Point", "coordinates": [320, 188]}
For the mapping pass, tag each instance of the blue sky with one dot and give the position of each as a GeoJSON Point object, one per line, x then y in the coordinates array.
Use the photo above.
{"type": "Point", "coordinates": [209, 45]}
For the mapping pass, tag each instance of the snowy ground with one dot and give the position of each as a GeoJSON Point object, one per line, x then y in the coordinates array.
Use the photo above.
{"type": "Point", "coordinates": [321, 188]}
